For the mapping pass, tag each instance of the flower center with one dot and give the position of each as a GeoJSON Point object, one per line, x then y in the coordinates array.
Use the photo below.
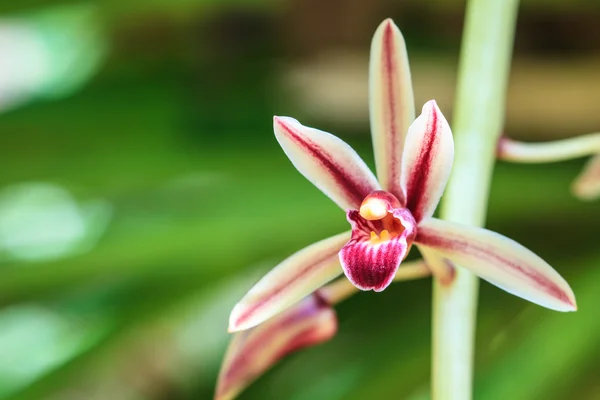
{"type": "Point", "coordinates": [373, 208]}
{"type": "Point", "coordinates": [382, 234]}
{"type": "Point", "coordinates": [378, 208]}
{"type": "Point", "coordinates": [382, 237]}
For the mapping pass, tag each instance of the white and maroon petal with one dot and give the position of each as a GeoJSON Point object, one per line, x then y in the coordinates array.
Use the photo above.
{"type": "Point", "coordinates": [252, 352]}
{"type": "Point", "coordinates": [500, 261]}
{"type": "Point", "coordinates": [391, 103]}
{"type": "Point", "coordinates": [327, 161]}
{"type": "Point", "coordinates": [587, 185]}
{"type": "Point", "coordinates": [297, 276]}
{"type": "Point", "coordinates": [427, 161]}
{"type": "Point", "coordinates": [372, 265]}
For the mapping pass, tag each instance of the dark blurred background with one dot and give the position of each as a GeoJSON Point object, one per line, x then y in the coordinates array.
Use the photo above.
{"type": "Point", "coordinates": [142, 193]}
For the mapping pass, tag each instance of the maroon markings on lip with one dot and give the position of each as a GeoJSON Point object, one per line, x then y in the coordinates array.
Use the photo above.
{"type": "Point", "coordinates": [373, 266]}
{"type": "Point", "coordinates": [416, 188]}
{"type": "Point", "coordinates": [356, 190]}
{"type": "Point", "coordinates": [362, 228]}
{"type": "Point", "coordinates": [282, 285]}
{"type": "Point", "coordinates": [540, 280]}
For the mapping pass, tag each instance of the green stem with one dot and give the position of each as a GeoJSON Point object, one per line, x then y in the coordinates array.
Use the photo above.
{"type": "Point", "coordinates": [478, 120]}
{"type": "Point", "coordinates": [544, 152]}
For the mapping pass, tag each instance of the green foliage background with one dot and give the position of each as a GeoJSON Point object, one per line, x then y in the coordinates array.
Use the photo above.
{"type": "Point", "coordinates": [171, 127]}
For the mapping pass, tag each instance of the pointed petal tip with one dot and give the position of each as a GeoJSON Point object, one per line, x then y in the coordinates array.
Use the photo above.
{"type": "Point", "coordinates": [234, 325]}
{"type": "Point", "coordinates": [241, 319]}
{"type": "Point", "coordinates": [568, 306]}
{"type": "Point", "coordinates": [572, 306]}
{"type": "Point", "coordinates": [564, 301]}
{"type": "Point", "coordinates": [293, 279]}
{"type": "Point", "coordinates": [500, 261]}
{"type": "Point", "coordinates": [389, 27]}
{"type": "Point", "coordinates": [564, 298]}
{"type": "Point", "coordinates": [388, 31]}
{"type": "Point", "coordinates": [282, 121]}
{"type": "Point", "coordinates": [431, 105]}
{"type": "Point", "coordinates": [232, 328]}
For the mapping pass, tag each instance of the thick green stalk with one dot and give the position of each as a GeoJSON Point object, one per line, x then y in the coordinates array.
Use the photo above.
{"type": "Point", "coordinates": [478, 121]}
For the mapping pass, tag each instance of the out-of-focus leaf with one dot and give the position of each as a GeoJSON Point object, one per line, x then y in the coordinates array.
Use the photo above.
{"type": "Point", "coordinates": [49, 53]}
{"type": "Point", "coordinates": [545, 355]}
{"type": "Point", "coordinates": [35, 340]}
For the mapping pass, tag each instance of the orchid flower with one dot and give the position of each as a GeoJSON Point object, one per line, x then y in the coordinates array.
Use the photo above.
{"type": "Point", "coordinates": [587, 185]}
{"type": "Point", "coordinates": [390, 214]}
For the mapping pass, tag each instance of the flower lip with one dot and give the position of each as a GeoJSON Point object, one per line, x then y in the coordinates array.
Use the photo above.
{"type": "Point", "coordinates": [378, 245]}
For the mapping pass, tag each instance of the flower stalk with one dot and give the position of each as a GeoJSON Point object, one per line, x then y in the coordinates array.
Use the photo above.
{"type": "Point", "coordinates": [586, 186]}
{"type": "Point", "coordinates": [482, 82]}
{"type": "Point", "coordinates": [545, 152]}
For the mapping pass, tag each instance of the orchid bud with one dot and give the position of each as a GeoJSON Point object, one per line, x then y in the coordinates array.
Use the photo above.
{"type": "Point", "coordinates": [252, 352]}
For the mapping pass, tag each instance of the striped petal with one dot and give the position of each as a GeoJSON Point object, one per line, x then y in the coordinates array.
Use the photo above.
{"type": "Point", "coordinates": [371, 258]}
{"type": "Point", "coordinates": [327, 161]}
{"type": "Point", "coordinates": [587, 185]}
{"type": "Point", "coordinates": [500, 261]}
{"type": "Point", "coordinates": [391, 103]}
{"type": "Point", "coordinates": [427, 161]}
{"type": "Point", "coordinates": [252, 352]}
{"type": "Point", "coordinates": [286, 284]}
